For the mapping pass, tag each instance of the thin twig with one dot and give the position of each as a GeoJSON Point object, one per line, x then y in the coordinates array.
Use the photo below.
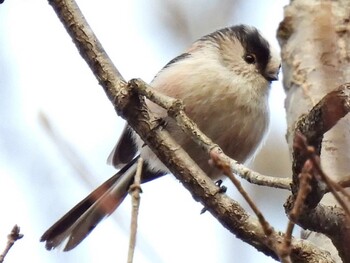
{"type": "Point", "coordinates": [11, 239]}
{"type": "Point", "coordinates": [345, 182]}
{"type": "Point", "coordinates": [226, 169]}
{"type": "Point", "coordinates": [304, 190]}
{"type": "Point", "coordinates": [287, 241]}
{"type": "Point", "coordinates": [267, 228]}
{"type": "Point", "coordinates": [309, 151]}
{"type": "Point", "coordinates": [135, 190]}
{"type": "Point", "coordinates": [334, 188]}
{"type": "Point", "coordinates": [253, 176]}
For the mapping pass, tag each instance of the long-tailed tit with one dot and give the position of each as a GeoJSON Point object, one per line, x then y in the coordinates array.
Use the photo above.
{"type": "Point", "coordinates": [224, 81]}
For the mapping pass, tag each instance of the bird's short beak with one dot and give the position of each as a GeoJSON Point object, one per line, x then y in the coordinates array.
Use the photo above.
{"type": "Point", "coordinates": [272, 74]}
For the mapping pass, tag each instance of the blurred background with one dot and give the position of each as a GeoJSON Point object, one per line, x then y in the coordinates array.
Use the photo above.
{"type": "Point", "coordinates": [57, 128]}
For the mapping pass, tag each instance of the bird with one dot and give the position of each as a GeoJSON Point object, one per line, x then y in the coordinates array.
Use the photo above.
{"type": "Point", "coordinates": [224, 81]}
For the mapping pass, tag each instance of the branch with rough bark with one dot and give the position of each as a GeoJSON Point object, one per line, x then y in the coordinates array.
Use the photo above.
{"type": "Point", "coordinates": [129, 103]}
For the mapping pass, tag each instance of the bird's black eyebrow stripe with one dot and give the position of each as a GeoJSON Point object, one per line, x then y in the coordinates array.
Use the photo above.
{"type": "Point", "coordinates": [254, 43]}
{"type": "Point", "coordinates": [177, 59]}
{"type": "Point", "coordinates": [250, 38]}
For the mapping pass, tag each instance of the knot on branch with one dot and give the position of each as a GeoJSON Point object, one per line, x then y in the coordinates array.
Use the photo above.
{"type": "Point", "coordinates": [122, 98]}
{"type": "Point", "coordinates": [176, 107]}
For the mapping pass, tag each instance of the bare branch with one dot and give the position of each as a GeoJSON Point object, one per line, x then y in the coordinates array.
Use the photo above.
{"type": "Point", "coordinates": [345, 183]}
{"type": "Point", "coordinates": [135, 190]}
{"type": "Point", "coordinates": [11, 239]}
{"type": "Point", "coordinates": [268, 230]}
{"type": "Point", "coordinates": [253, 176]}
{"type": "Point", "coordinates": [328, 220]}
{"type": "Point", "coordinates": [304, 190]}
{"type": "Point", "coordinates": [225, 168]}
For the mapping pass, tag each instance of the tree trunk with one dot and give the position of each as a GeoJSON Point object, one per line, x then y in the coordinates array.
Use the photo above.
{"type": "Point", "coordinates": [314, 37]}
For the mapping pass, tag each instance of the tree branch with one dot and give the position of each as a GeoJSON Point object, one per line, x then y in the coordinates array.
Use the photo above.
{"type": "Point", "coordinates": [135, 190]}
{"type": "Point", "coordinates": [11, 239]}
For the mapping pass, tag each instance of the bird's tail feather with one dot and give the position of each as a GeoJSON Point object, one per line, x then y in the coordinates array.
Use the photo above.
{"type": "Point", "coordinates": [74, 226]}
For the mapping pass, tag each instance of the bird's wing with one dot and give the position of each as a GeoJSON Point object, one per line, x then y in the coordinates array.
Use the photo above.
{"type": "Point", "coordinates": [124, 151]}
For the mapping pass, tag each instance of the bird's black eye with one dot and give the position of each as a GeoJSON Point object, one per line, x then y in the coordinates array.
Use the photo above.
{"type": "Point", "coordinates": [249, 58]}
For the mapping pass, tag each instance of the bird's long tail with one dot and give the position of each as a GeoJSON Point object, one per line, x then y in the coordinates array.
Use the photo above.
{"type": "Point", "coordinates": [74, 226]}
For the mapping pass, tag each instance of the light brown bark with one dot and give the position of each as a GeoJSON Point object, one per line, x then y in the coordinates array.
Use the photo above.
{"type": "Point", "coordinates": [314, 37]}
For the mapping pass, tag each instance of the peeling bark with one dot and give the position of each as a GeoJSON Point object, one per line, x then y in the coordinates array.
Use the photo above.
{"type": "Point", "coordinates": [314, 37]}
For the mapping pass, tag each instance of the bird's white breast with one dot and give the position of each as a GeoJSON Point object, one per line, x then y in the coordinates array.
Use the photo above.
{"type": "Point", "coordinates": [229, 110]}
